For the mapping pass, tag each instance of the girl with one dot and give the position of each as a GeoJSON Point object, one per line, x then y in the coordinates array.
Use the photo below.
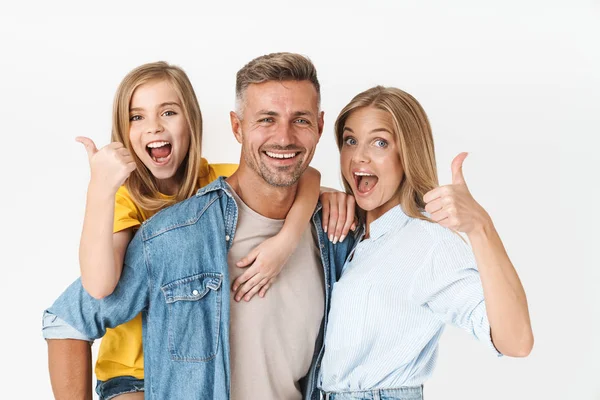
{"type": "Point", "coordinates": [153, 162]}
{"type": "Point", "coordinates": [411, 274]}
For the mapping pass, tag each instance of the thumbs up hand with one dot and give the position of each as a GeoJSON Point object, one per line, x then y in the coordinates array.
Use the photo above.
{"type": "Point", "coordinates": [110, 166]}
{"type": "Point", "coordinates": [453, 206]}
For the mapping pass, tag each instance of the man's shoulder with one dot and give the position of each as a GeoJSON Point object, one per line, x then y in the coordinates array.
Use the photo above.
{"type": "Point", "coordinates": [207, 200]}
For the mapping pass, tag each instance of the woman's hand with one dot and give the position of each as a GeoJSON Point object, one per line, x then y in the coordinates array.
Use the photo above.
{"type": "Point", "coordinates": [338, 214]}
{"type": "Point", "coordinates": [453, 206]}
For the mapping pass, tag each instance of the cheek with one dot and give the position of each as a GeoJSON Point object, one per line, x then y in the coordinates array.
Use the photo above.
{"type": "Point", "coordinates": [134, 140]}
{"type": "Point", "coordinates": [345, 158]}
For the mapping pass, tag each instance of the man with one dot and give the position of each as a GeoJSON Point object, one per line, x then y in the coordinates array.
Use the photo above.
{"type": "Point", "coordinates": [198, 344]}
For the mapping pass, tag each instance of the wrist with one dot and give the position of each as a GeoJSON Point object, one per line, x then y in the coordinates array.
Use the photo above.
{"type": "Point", "coordinates": [482, 229]}
{"type": "Point", "coordinates": [98, 191]}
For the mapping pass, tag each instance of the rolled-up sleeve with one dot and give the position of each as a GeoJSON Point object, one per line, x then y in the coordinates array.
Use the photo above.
{"type": "Point", "coordinates": [88, 317]}
{"type": "Point", "coordinates": [450, 286]}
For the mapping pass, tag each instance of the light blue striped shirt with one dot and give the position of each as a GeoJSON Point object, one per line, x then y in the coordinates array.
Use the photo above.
{"type": "Point", "coordinates": [389, 308]}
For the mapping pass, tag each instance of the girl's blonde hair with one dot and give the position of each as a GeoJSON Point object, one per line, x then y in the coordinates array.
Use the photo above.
{"type": "Point", "coordinates": [141, 183]}
{"type": "Point", "coordinates": [414, 139]}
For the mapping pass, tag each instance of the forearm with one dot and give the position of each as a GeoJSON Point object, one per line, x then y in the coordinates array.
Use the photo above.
{"type": "Point", "coordinates": [99, 271]}
{"type": "Point", "coordinates": [304, 205]}
{"type": "Point", "coordinates": [505, 298]}
{"type": "Point", "coordinates": [70, 367]}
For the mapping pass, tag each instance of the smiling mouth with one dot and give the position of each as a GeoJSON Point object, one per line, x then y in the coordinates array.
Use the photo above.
{"type": "Point", "coordinates": [365, 182]}
{"type": "Point", "coordinates": [281, 156]}
{"type": "Point", "coordinates": [159, 151]}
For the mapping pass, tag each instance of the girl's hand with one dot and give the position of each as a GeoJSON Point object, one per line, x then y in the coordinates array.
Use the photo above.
{"type": "Point", "coordinates": [338, 214]}
{"type": "Point", "coordinates": [110, 166]}
{"type": "Point", "coordinates": [453, 206]}
{"type": "Point", "coordinates": [264, 263]}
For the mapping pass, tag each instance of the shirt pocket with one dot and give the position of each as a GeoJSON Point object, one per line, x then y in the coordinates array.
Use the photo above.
{"type": "Point", "coordinates": [194, 309]}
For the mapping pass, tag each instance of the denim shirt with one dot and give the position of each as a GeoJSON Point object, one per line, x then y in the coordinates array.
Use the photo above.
{"type": "Point", "coordinates": [176, 273]}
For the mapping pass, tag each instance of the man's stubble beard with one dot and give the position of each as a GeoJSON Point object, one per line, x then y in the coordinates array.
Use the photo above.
{"type": "Point", "coordinates": [287, 177]}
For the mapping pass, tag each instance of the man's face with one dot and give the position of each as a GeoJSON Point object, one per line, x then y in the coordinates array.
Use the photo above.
{"type": "Point", "coordinates": [280, 129]}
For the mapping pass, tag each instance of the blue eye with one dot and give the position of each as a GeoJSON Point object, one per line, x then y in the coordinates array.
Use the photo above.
{"type": "Point", "coordinates": [349, 141]}
{"type": "Point", "coordinates": [266, 120]}
{"type": "Point", "coordinates": [302, 121]}
{"type": "Point", "coordinates": [135, 118]}
{"type": "Point", "coordinates": [381, 143]}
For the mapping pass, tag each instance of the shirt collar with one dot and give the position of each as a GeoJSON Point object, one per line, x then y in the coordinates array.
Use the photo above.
{"type": "Point", "coordinates": [394, 219]}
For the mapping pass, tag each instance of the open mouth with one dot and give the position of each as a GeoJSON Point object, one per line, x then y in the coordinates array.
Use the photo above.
{"type": "Point", "coordinates": [365, 182]}
{"type": "Point", "coordinates": [281, 156]}
{"type": "Point", "coordinates": [159, 151]}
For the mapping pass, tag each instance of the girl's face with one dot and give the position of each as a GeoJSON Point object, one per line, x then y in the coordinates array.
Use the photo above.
{"type": "Point", "coordinates": [370, 160]}
{"type": "Point", "coordinates": [159, 132]}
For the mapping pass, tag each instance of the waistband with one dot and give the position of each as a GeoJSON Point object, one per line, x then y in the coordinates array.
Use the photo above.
{"type": "Point", "coordinates": [403, 393]}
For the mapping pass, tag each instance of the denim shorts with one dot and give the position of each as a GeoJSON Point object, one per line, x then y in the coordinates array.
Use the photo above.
{"type": "Point", "coordinates": [403, 393]}
{"type": "Point", "coordinates": [120, 385]}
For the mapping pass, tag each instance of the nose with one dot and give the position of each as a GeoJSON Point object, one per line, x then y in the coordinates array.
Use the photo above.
{"type": "Point", "coordinates": [154, 126]}
{"type": "Point", "coordinates": [284, 135]}
{"type": "Point", "coordinates": [360, 155]}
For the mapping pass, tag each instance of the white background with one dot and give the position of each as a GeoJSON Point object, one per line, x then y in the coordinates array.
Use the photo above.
{"type": "Point", "coordinates": [517, 84]}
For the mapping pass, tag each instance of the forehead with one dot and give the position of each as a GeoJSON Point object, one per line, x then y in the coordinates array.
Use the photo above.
{"type": "Point", "coordinates": [367, 119]}
{"type": "Point", "coordinates": [283, 97]}
{"type": "Point", "coordinates": [153, 93]}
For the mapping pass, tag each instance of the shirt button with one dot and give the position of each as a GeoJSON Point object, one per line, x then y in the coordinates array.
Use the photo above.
{"type": "Point", "coordinates": [195, 292]}
{"type": "Point", "coordinates": [227, 238]}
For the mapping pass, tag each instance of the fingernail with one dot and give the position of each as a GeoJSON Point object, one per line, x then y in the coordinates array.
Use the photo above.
{"type": "Point", "coordinates": [331, 238]}
{"type": "Point", "coordinates": [325, 229]}
{"type": "Point", "coordinates": [335, 240]}
{"type": "Point", "coordinates": [342, 238]}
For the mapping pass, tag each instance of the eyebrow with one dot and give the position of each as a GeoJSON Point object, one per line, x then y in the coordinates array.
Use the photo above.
{"type": "Point", "coordinates": [301, 113]}
{"type": "Point", "coordinates": [376, 130]}
{"type": "Point", "coordinates": [165, 104]}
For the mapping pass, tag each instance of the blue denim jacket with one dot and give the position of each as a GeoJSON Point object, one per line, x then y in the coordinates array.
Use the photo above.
{"type": "Point", "coordinates": [176, 273]}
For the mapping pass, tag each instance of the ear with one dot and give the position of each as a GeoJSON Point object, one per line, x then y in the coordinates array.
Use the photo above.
{"type": "Point", "coordinates": [321, 122]}
{"type": "Point", "coordinates": [236, 126]}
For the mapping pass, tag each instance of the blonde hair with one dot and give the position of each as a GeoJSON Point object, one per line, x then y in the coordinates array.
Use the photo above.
{"type": "Point", "coordinates": [274, 67]}
{"type": "Point", "coordinates": [141, 183]}
{"type": "Point", "coordinates": [414, 139]}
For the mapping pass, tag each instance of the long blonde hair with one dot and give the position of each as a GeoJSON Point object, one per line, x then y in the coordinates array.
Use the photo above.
{"type": "Point", "coordinates": [141, 183]}
{"type": "Point", "coordinates": [414, 138]}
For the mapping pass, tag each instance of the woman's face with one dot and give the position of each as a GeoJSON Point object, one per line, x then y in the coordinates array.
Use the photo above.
{"type": "Point", "coordinates": [159, 132]}
{"type": "Point", "coordinates": [370, 160]}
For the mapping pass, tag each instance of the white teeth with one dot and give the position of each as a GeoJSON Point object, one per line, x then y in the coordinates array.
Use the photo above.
{"type": "Point", "coordinates": [363, 174]}
{"type": "Point", "coordinates": [155, 145]}
{"type": "Point", "coordinates": [277, 155]}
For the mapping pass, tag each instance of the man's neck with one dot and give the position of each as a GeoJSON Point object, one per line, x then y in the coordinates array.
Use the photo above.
{"type": "Point", "coordinates": [269, 201]}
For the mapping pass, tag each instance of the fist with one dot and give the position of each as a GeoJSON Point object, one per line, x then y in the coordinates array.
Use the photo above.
{"type": "Point", "coordinates": [453, 206]}
{"type": "Point", "coordinates": [110, 166]}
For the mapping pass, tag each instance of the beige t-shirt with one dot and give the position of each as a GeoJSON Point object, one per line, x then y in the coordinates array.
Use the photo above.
{"type": "Point", "coordinates": [273, 338]}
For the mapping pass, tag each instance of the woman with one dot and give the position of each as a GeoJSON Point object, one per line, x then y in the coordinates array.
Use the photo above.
{"type": "Point", "coordinates": [411, 273]}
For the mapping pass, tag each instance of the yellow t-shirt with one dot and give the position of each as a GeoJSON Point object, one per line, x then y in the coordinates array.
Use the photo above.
{"type": "Point", "coordinates": [120, 351]}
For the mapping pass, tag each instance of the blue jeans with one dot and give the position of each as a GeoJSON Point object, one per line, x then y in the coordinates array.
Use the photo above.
{"type": "Point", "coordinates": [403, 393]}
{"type": "Point", "coordinates": [120, 385]}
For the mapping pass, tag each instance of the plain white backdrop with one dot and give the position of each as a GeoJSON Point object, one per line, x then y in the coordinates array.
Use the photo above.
{"type": "Point", "coordinates": [516, 84]}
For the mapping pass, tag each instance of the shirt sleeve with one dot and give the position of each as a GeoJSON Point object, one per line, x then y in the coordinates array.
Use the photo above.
{"type": "Point", "coordinates": [91, 317]}
{"type": "Point", "coordinates": [450, 286]}
{"type": "Point", "coordinates": [127, 214]}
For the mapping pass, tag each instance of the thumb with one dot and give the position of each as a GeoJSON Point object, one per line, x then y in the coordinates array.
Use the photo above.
{"type": "Point", "coordinates": [89, 144]}
{"type": "Point", "coordinates": [249, 259]}
{"type": "Point", "coordinates": [457, 174]}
